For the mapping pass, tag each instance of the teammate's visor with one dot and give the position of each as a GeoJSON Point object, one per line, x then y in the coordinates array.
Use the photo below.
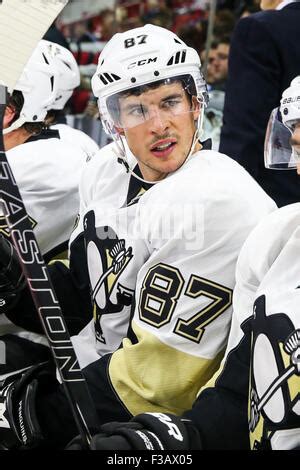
{"type": "Point", "coordinates": [278, 152]}
{"type": "Point", "coordinates": [143, 104]}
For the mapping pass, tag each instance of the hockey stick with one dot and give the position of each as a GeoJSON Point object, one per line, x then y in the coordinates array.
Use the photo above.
{"type": "Point", "coordinates": [14, 14]}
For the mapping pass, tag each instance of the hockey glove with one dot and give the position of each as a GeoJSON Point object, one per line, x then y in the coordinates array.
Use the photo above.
{"type": "Point", "coordinates": [147, 431]}
{"type": "Point", "coordinates": [12, 279]}
{"type": "Point", "coordinates": [19, 427]}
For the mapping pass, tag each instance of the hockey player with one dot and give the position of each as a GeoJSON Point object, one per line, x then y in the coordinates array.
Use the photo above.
{"type": "Point", "coordinates": [68, 80]}
{"type": "Point", "coordinates": [46, 168]}
{"type": "Point", "coordinates": [255, 401]}
{"type": "Point", "coordinates": [161, 224]}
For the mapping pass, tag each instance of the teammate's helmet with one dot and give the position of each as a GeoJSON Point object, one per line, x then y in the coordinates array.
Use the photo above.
{"type": "Point", "coordinates": [278, 151]}
{"type": "Point", "coordinates": [139, 57]}
{"type": "Point", "coordinates": [290, 104]}
{"type": "Point", "coordinates": [38, 84]}
{"type": "Point", "coordinates": [69, 75]}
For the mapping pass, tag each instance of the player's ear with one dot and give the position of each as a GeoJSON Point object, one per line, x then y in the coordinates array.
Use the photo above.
{"type": "Point", "coordinates": [196, 107]}
{"type": "Point", "coordinates": [9, 115]}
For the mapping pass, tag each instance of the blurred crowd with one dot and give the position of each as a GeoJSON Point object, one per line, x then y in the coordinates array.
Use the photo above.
{"type": "Point", "coordinates": [187, 18]}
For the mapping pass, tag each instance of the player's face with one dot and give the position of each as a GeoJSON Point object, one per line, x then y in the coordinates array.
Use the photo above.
{"type": "Point", "coordinates": [211, 65]}
{"type": "Point", "coordinates": [159, 126]}
{"type": "Point", "coordinates": [221, 61]}
{"type": "Point", "coordinates": [295, 141]}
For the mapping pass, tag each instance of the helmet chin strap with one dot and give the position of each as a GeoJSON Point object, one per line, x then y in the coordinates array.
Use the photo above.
{"type": "Point", "coordinates": [121, 150]}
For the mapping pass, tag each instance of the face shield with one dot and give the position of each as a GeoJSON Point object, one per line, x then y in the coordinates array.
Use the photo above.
{"type": "Point", "coordinates": [163, 100]}
{"type": "Point", "coordinates": [278, 151]}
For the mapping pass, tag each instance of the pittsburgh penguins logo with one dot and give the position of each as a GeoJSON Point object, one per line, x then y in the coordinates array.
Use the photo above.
{"type": "Point", "coordinates": [107, 257]}
{"type": "Point", "coordinates": [275, 374]}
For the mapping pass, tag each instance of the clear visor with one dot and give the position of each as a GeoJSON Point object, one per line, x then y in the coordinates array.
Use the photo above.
{"type": "Point", "coordinates": [278, 152]}
{"type": "Point", "coordinates": [170, 98]}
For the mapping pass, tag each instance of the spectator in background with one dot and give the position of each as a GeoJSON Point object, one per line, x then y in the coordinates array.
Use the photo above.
{"type": "Point", "coordinates": [86, 52]}
{"type": "Point", "coordinates": [109, 25]}
{"type": "Point", "coordinates": [221, 63]}
{"type": "Point", "coordinates": [194, 36]}
{"type": "Point", "coordinates": [224, 22]}
{"type": "Point", "coordinates": [159, 15]}
{"type": "Point", "coordinates": [215, 75]}
{"type": "Point", "coordinates": [211, 64]}
{"type": "Point", "coordinates": [264, 57]}
{"type": "Point", "coordinates": [83, 32]}
{"type": "Point", "coordinates": [217, 71]}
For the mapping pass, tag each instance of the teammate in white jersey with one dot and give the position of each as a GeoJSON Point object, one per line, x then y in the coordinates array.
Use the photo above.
{"type": "Point", "coordinates": [254, 403]}
{"type": "Point", "coordinates": [162, 220]}
{"type": "Point", "coordinates": [68, 80]}
{"type": "Point", "coordinates": [47, 169]}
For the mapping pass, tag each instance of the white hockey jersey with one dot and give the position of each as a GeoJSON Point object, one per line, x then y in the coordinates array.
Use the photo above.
{"type": "Point", "coordinates": [163, 257]}
{"type": "Point", "coordinates": [47, 171]}
{"type": "Point", "coordinates": [267, 297]}
{"type": "Point", "coordinates": [77, 139]}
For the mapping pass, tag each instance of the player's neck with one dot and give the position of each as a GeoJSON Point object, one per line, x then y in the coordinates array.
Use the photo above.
{"type": "Point", "coordinates": [15, 138]}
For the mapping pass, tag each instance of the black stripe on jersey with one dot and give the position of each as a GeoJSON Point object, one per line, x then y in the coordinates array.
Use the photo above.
{"type": "Point", "coordinates": [45, 134]}
{"type": "Point", "coordinates": [56, 251]}
{"type": "Point", "coordinates": [135, 188]}
{"type": "Point", "coordinates": [207, 144]}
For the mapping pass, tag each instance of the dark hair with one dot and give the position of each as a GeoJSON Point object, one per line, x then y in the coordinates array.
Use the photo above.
{"type": "Point", "coordinates": [223, 39]}
{"type": "Point", "coordinates": [54, 116]}
{"type": "Point", "coordinates": [16, 102]}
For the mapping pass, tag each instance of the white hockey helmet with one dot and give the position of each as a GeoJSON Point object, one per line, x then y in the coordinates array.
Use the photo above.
{"type": "Point", "coordinates": [290, 104]}
{"type": "Point", "coordinates": [69, 75]}
{"type": "Point", "coordinates": [279, 154]}
{"type": "Point", "coordinates": [139, 57]}
{"type": "Point", "coordinates": [38, 84]}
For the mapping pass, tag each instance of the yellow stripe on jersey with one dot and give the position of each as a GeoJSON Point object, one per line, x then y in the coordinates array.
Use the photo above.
{"type": "Point", "coordinates": [152, 376]}
{"type": "Point", "coordinates": [211, 382]}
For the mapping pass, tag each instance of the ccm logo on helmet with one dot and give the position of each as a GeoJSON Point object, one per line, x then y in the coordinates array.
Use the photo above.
{"type": "Point", "coordinates": [142, 62]}
{"type": "Point", "coordinates": [291, 100]}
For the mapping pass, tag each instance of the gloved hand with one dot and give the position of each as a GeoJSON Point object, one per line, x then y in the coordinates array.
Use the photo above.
{"type": "Point", "coordinates": [19, 426]}
{"type": "Point", "coordinates": [146, 431]}
{"type": "Point", "coordinates": [12, 279]}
